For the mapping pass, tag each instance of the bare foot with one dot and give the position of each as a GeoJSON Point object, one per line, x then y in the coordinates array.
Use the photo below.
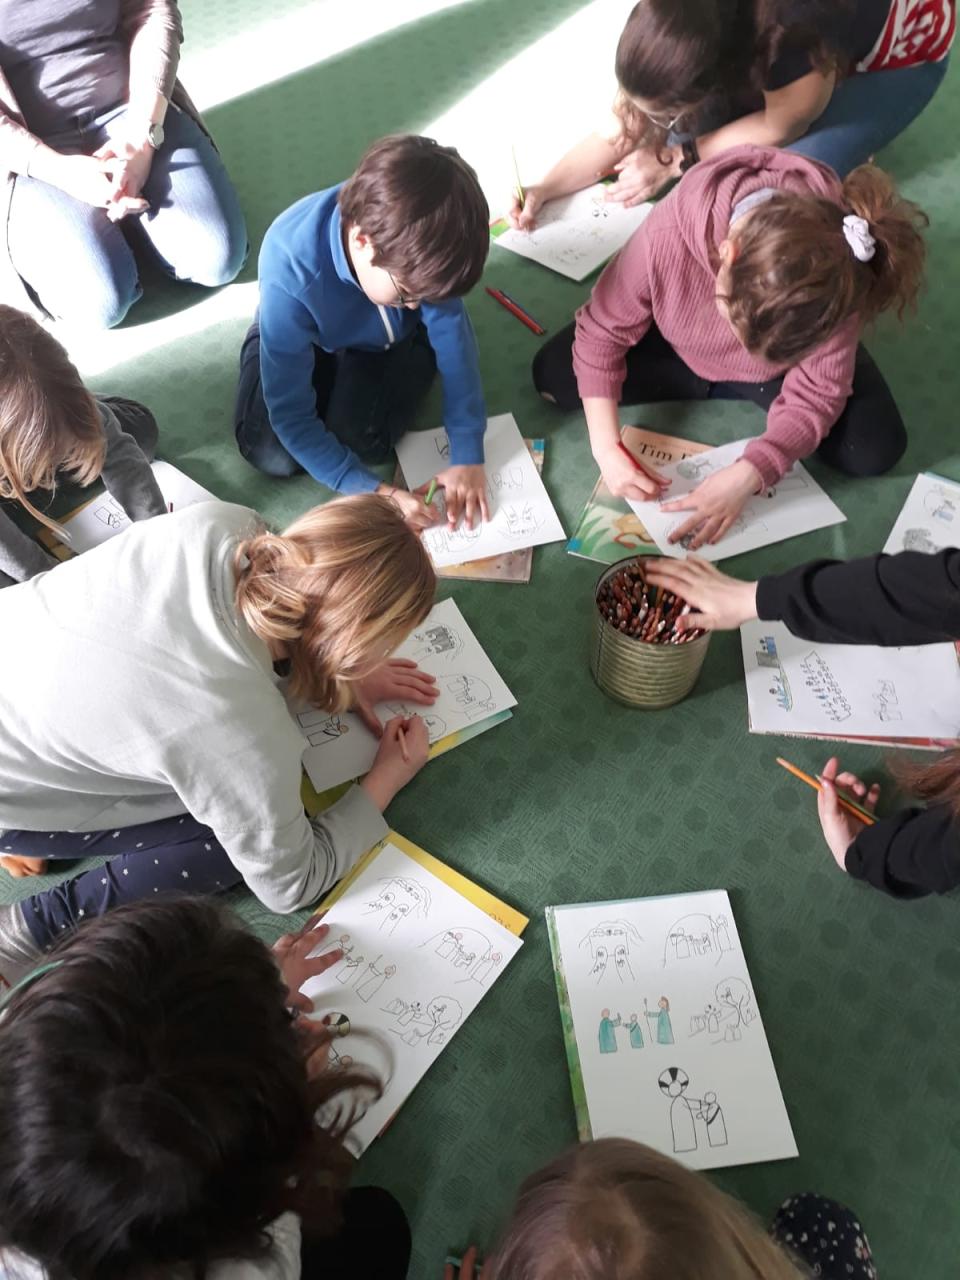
{"type": "Point", "coordinates": [21, 867]}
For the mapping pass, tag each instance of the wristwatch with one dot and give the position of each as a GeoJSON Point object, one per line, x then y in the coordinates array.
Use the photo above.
{"type": "Point", "coordinates": [155, 136]}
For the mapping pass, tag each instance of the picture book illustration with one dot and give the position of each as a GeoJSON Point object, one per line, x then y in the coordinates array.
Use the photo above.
{"type": "Point", "coordinates": [795, 505]}
{"type": "Point", "coordinates": [521, 513]}
{"type": "Point", "coordinates": [103, 517]}
{"type": "Point", "coordinates": [930, 518]}
{"type": "Point", "coordinates": [398, 998]}
{"type": "Point", "coordinates": [574, 234]}
{"type": "Point", "coordinates": [671, 1052]}
{"type": "Point", "coordinates": [848, 691]}
{"type": "Point", "coordinates": [607, 529]}
{"type": "Point", "coordinates": [341, 747]}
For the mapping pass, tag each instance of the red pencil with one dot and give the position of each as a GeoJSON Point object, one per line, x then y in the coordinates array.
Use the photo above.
{"type": "Point", "coordinates": [627, 454]}
{"type": "Point", "coordinates": [516, 310]}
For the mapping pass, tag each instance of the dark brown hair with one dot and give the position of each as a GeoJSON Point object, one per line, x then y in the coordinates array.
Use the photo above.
{"type": "Point", "coordinates": [617, 1210]}
{"type": "Point", "coordinates": [49, 421]}
{"type": "Point", "coordinates": [155, 1108]}
{"type": "Point", "coordinates": [423, 210]}
{"type": "Point", "coordinates": [938, 783]}
{"type": "Point", "coordinates": [795, 278]}
{"type": "Point", "coordinates": [674, 54]}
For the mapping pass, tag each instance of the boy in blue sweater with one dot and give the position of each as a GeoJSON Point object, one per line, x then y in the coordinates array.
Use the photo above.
{"type": "Point", "coordinates": [360, 304]}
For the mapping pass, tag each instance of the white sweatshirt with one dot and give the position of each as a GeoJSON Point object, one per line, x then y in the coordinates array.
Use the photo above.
{"type": "Point", "coordinates": [131, 690]}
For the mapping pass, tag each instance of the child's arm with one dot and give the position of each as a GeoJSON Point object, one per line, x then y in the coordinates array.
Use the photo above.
{"type": "Point", "coordinates": [582, 166]}
{"type": "Point", "coordinates": [126, 472]}
{"type": "Point", "coordinates": [20, 557]}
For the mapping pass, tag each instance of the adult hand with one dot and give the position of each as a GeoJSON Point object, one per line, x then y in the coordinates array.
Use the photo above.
{"type": "Point", "coordinates": [297, 964]}
{"type": "Point", "coordinates": [470, 1268]}
{"type": "Point", "coordinates": [718, 602]}
{"type": "Point", "coordinates": [641, 175]}
{"type": "Point", "coordinates": [716, 502]}
{"type": "Point", "coordinates": [626, 480]}
{"type": "Point", "coordinates": [534, 198]}
{"type": "Point", "coordinates": [91, 179]}
{"type": "Point", "coordinates": [404, 750]}
{"type": "Point", "coordinates": [841, 828]}
{"type": "Point", "coordinates": [414, 510]}
{"type": "Point", "coordinates": [396, 678]}
{"type": "Point", "coordinates": [133, 163]}
{"type": "Point", "coordinates": [464, 494]}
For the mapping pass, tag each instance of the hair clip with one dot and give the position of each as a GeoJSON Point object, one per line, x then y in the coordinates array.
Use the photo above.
{"type": "Point", "coordinates": [856, 232]}
{"type": "Point", "coordinates": [243, 562]}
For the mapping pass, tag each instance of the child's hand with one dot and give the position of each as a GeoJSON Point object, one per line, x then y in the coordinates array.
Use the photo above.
{"type": "Point", "coordinates": [641, 175]}
{"type": "Point", "coordinates": [293, 955]}
{"type": "Point", "coordinates": [624, 480]}
{"type": "Point", "coordinates": [465, 494]}
{"type": "Point", "coordinates": [413, 508]}
{"type": "Point", "coordinates": [404, 750]}
{"type": "Point", "coordinates": [397, 678]}
{"type": "Point", "coordinates": [534, 198]}
{"type": "Point", "coordinates": [721, 602]}
{"type": "Point", "coordinates": [717, 502]}
{"type": "Point", "coordinates": [469, 1268]}
{"type": "Point", "coordinates": [841, 828]}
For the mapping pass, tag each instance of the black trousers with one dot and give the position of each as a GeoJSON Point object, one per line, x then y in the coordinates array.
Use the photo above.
{"type": "Point", "coordinates": [867, 439]}
{"type": "Point", "coordinates": [373, 1243]}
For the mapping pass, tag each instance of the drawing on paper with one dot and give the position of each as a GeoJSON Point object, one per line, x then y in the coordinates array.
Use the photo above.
{"type": "Point", "coordinates": [686, 1112]}
{"type": "Point", "coordinates": [726, 1020]}
{"type": "Point", "coordinates": [339, 1025]}
{"type": "Point", "coordinates": [766, 656]}
{"type": "Point", "coordinates": [920, 540]}
{"type": "Point", "coordinates": [438, 641]}
{"type": "Point", "coordinates": [824, 686]}
{"type": "Point", "coordinates": [635, 1032]}
{"type": "Point", "coordinates": [442, 540]}
{"type": "Point", "coordinates": [792, 482]}
{"type": "Point", "coordinates": [885, 701]}
{"type": "Point", "coordinates": [519, 520]}
{"type": "Point", "coordinates": [399, 899]}
{"type": "Point", "coordinates": [468, 951]}
{"type": "Point", "coordinates": [507, 479]}
{"type": "Point", "coordinates": [349, 968]}
{"type": "Point", "coordinates": [434, 1023]}
{"type": "Point", "coordinates": [658, 1020]}
{"type": "Point", "coordinates": [694, 468]}
{"type": "Point", "coordinates": [608, 1031]}
{"type": "Point", "coordinates": [372, 978]}
{"type": "Point", "coordinates": [436, 727]}
{"type": "Point", "coordinates": [611, 938]}
{"type": "Point", "coordinates": [471, 694]}
{"type": "Point", "coordinates": [322, 729]}
{"type": "Point", "coordinates": [697, 936]}
{"type": "Point", "coordinates": [442, 446]}
{"type": "Point", "coordinates": [111, 513]}
{"type": "Point", "coordinates": [941, 503]}
{"type": "Point", "coordinates": [743, 524]}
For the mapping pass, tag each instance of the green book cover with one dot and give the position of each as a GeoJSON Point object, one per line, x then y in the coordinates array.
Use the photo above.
{"type": "Point", "coordinates": [569, 1035]}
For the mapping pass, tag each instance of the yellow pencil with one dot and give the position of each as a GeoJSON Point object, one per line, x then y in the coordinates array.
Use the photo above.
{"type": "Point", "coordinates": [521, 197]}
{"type": "Point", "coordinates": [851, 806]}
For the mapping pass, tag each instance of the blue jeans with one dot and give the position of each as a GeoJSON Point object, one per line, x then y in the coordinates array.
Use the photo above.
{"type": "Point", "coordinates": [80, 266]}
{"type": "Point", "coordinates": [867, 111]}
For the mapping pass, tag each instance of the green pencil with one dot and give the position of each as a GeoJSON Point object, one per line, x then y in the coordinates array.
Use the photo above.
{"type": "Point", "coordinates": [521, 197]}
{"type": "Point", "coordinates": [428, 496]}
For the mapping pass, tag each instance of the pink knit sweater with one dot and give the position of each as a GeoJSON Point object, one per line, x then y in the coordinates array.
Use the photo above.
{"type": "Point", "coordinates": [666, 275]}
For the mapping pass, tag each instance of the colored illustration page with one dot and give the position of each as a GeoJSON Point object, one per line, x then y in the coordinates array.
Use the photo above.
{"type": "Point", "coordinates": [841, 690]}
{"type": "Point", "coordinates": [341, 747]}
{"type": "Point", "coordinates": [930, 519]}
{"type": "Point", "coordinates": [575, 234]}
{"type": "Point", "coordinates": [418, 959]}
{"type": "Point", "coordinates": [795, 505]}
{"type": "Point", "coordinates": [671, 1046]}
{"type": "Point", "coordinates": [104, 518]}
{"type": "Point", "coordinates": [521, 513]}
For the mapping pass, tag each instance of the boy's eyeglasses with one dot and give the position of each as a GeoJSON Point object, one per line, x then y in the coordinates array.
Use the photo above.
{"type": "Point", "coordinates": [402, 299]}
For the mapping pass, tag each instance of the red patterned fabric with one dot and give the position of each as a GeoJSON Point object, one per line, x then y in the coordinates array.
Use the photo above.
{"type": "Point", "coordinates": [916, 31]}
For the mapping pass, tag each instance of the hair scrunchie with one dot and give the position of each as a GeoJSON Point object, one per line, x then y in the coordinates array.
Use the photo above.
{"type": "Point", "coordinates": [856, 232]}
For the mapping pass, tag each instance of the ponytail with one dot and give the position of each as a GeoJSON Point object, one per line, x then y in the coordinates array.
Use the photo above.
{"type": "Point", "coordinates": [895, 274]}
{"type": "Point", "coordinates": [337, 591]}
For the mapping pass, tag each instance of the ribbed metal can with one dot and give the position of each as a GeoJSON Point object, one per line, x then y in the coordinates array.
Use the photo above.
{"type": "Point", "coordinates": [636, 672]}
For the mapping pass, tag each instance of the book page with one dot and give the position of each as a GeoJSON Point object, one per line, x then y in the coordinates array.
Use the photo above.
{"type": "Point", "coordinates": [930, 519]}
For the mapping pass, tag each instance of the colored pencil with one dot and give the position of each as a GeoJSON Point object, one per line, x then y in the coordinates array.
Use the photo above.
{"type": "Point", "coordinates": [627, 454]}
{"type": "Point", "coordinates": [851, 806]}
{"type": "Point", "coordinates": [517, 311]}
{"type": "Point", "coordinates": [516, 304]}
{"type": "Point", "coordinates": [521, 194]}
{"type": "Point", "coordinates": [170, 507]}
{"type": "Point", "coordinates": [428, 498]}
{"type": "Point", "coordinates": [402, 739]}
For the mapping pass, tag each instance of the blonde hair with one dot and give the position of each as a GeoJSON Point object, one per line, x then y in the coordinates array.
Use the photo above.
{"type": "Point", "coordinates": [49, 421]}
{"type": "Point", "coordinates": [617, 1210]}
{"type": "Point", "coordinates": [339, 589]}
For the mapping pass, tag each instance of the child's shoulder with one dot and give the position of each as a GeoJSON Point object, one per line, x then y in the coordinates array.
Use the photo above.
{"type": "Point", "coordinates": [299, 237]}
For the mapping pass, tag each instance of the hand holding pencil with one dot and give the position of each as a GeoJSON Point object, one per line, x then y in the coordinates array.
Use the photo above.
{"type": "Point", "coordinates": [842, 817]}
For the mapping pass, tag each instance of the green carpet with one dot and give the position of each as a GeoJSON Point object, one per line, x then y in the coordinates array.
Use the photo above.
{"type": "Point", "coordinates": [578, 798]}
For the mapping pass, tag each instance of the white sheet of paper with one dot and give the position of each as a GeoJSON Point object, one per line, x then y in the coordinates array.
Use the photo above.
{"type": "Point", "coordinates": [801, 686]}
{"type": "Point", "coordinates": [576, 234]}
{"type": "Point", "coordinates": [795, 505]}
{"type": "Point", "coordinates": [104, 517]}
{"type": "Point", "coordinates": [670, 1040]}
{"type": "Point", "coordinates": [930, 519]}
{"type": "Point", "coordinates": [420, 958]}
{"type": "Point", "coordinates": [341, 747]}
{"type": "Point", "coordinates": [521, 513]}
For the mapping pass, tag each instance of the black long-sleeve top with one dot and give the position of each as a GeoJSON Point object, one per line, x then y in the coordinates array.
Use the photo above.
{"type": "Point", "coordinates": [905, 599]}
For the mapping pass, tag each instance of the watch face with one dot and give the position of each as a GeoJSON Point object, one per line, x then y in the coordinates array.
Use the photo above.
{"type": "Point", "coordinates": [155, 135]}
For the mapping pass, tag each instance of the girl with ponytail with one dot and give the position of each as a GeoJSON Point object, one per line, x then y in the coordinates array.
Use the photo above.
{"type": "Point", "coordinates": [161, 735]}
{"type": "Point", "coordinates": [752, 280]}
{"type": "Point", "coordinates": [836, 80]}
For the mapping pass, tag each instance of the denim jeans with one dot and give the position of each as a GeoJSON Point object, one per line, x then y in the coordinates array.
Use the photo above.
{"type": "Point", "coordinates": [80, 266]}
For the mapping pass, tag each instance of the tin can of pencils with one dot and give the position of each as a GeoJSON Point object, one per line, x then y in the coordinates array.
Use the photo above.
{"type": "Point", "coordinates": [638, 671]}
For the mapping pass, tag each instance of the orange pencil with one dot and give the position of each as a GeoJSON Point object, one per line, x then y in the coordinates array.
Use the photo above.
{"type": "Point", "coordinates": [402, 739]}
{"type": "Point", "coordinates": [851, 806]}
